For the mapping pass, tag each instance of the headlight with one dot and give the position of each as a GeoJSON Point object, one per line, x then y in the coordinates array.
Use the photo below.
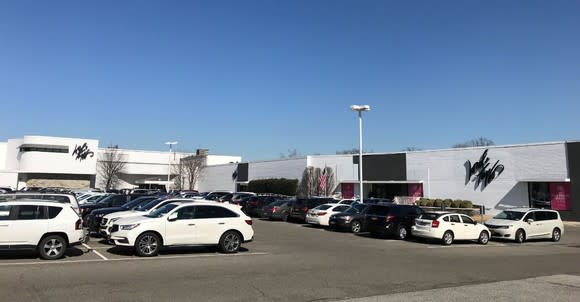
{"type": "Point", "coordinates": [114, 219]}
{"type": "Point", "coordinates": [129, 227]}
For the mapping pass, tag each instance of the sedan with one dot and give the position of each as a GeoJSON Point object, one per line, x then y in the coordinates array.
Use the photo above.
{"type": "Point", "coordinates": [320, 215]}
{"type": "Point", "coordinates": [448, 227]}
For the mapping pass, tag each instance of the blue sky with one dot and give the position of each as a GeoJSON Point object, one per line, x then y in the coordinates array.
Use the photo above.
{"type": "Point", "coordinates": [256, 78]}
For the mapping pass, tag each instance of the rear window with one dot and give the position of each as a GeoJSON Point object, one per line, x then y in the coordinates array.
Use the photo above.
{"type": "Point", "coordinates": [429, 216]}
{"type": "Point", "coordinates": [323, 207]}
{"type": "Point", "coordinates": [53, 212]}
{"type": "Point", "coordinates": [378, 210]}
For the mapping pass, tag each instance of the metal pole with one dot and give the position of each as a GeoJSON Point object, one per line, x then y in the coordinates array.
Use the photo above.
{"type": "Point", "coordinates": [169, 168]}
{"type": "Point", "coordinates": [360, 151]}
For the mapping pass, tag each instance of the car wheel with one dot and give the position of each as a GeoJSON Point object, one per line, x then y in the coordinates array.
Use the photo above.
{"type": "Point", "coordinates": [556, 235]}
{"type": "Point", "coordinates": [483, 237]}
{"type": "Point", "coordinates": [52, 247]}
{"type": "Point", "coordinates": [147, 245]}
{"type": "Point", "coordinates": [355, 227]}
{"type": "Point", "coordinates": [230, 242]}
{"type": "Point", "coordinates": [402, 232]}
{"type": "Point", "coordinates": [447, 238]}
{"type": "Point", "coordinates": [520, 236]}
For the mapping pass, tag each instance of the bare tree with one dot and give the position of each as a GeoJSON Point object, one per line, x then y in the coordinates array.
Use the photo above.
{"type": "Point", "coordinates": [330, 181]}
{"type": "Point", "coordinates": [310, 184]}
{"type": "Point", "coordinates": [291, 154]}
{"type": "Point", "coordinates": [412, 149]}
{"type": "Point", "coordinates": [193, 168]}
{"type": "Point", "coordinates": [352, 151]}
{"type": "Point", "coordinates": [478, 142]}
{"type": "Point", "coordinates": [111, 164]}
{"type": "Point", "coordinates": [179, 170]}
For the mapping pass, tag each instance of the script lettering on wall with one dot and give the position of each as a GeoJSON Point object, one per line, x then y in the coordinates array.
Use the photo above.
{"type": "Point", "coordinates": [81, 152]}
{"type": "Point", "coordinates": [481, 173]}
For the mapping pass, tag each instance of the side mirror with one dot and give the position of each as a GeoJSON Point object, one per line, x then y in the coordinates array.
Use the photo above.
{"type": "Point", "coordinates": [475, 222]}
{"type": "Point", "coordinates": [172, 217]}
{"type": "Point", "coordinates": [529, 220]}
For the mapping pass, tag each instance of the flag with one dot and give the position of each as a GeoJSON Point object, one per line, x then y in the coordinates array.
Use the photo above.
{"type": "Point", "coordinates": [322, 180]}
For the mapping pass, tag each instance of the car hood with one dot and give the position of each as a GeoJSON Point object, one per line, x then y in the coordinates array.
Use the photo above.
{"type": "Point", "coordinates": [107, 210]}
{"type": "Point", "coordinates": [494, 221]}
{"type": "Point", "coordinates": [125, 214]}
{"type": "Point", "coordinates": [134, 220]}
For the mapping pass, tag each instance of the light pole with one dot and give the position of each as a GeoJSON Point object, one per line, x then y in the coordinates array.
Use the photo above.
{"type": "Point", "coordinates": [169, 164]}
{"type": "Point", "coordinates": [360, 109]}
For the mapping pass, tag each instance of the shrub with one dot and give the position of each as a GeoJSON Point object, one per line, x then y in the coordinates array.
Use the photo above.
{"type": "Point", "coordinates": [447, 202]}
{"type": "Point", "coordinates": [429, 203]}
{"type": "Point", "coordinates": [437, 203]}
{"type": "Point", "coordinates": [456, 203]}
{"type": "Point", "coordinates": [466, 204]}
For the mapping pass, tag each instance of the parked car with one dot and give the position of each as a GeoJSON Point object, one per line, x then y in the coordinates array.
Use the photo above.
{"type": "Point", "coordinates": [51, 197]}
{"type": "Point", "coordinates": [93, 220]}
{"type": "Point", "coordinates": [351, 219]}
{"type": "Point", "coordinates": [301, 207]}
{"type": "Point", "coordinates": [255, 204]}
{"type": "Point", "coordinates": [449, 227]}
{"type": "Point", "coordinates": [91, 198]}
{"type": "Point", "coordinates": [47, 227]}
{"type": "Point", "coordinates": [179, 224]}
{"type": "Point", "coordinates": [521, 224]}
{"type": "Point", "coordinates": [277, 210]}
{"type": "Point", "coordinates": [320, 215]}
{"type": "Point", "coordinates": [113, 200]}
{"type": "Point", "coordinates": [215, 195]}
{"type": "Point", "coordinates": [143, 209]}
{"type": "Point", "coordinates": [391, 219]}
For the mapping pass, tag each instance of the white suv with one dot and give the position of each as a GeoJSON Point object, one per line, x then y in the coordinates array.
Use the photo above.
{"type": "Point", "coordinates": [46, 227]}
{"type": "Point", "coordinates": [184, 224]}
{"type": "Point", "coordinates": [520, 224]}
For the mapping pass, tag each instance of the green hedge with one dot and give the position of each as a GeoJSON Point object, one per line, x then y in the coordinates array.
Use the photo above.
{"type": "Point", "coordinates": [426, 202]}
{"type": "Point", "coordinates": [281, 186]}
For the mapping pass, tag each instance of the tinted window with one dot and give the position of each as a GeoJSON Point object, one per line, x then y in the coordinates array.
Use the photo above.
{"type": "Point", "coordinates": [530, 216]}
{"type": "Point", "coordinates": [454, 218]}
{"type": "Point", "coordinates": [430, 216]}
{"type": "Point", "coordinates": [551, 215]}
{"type": "Point", "coordinates": [341, 208]}
{"type": "Point", "coordinates": [53, 212]}
{"type": "Point", "coordinates": [323, 207]}
{"type": "Point", "coordinates": [446, 218]}
{"type": "Point", "coordinates": [378, 210]}
{"type": "Point", "coordinates": [202, 212]}
{"type": "Point", "coordinates": [541, 215]}
{"type": "Point", "coordinates": [466, 219]}
{"type": "Point", "coordinates": [29, 212]}
{"type": "Point", "coordinates": [186, 213]}
{"type": "Point", "coordinates": [5, 212]}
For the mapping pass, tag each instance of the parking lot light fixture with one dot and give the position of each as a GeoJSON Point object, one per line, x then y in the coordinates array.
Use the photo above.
{"type": "Point", "coordinates": [169, 163]}
{"type": "Point", "coordinates": [360, 109]}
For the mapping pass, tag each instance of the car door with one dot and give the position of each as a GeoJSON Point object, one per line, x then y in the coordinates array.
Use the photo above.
{"type": "Point", "coordinates": [532, 228]}
{"type": "Point", "coordinates": [211, 222]}
{"type": "Point", "coordinates": [180, 227]}
{"type": "Point", "coordinates": [5, 224]}
{"type": "Point", "coordinates": [469, 227]}
{"type": "Point", "coordinates": [544, 224]}
{"type": "Point", "coordinates": [456, 226]}
{"type": "Point", "coordinates": [28, 225]}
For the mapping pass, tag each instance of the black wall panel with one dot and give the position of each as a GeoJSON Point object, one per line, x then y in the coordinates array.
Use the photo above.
{"type": "Point", "coordinates": [377, 167]}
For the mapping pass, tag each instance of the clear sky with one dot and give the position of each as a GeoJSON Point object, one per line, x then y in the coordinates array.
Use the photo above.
{"type": "Point", "coordinates": [256, 78]}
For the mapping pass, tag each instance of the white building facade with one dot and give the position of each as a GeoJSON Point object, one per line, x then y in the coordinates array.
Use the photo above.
{"type": "Point", "coordinates": [42, 161]}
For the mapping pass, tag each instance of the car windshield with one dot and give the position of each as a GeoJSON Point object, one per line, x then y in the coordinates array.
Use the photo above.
{"type": "Point", "coordinates": [510, 215]}
{"type": "Point", "coordinates": [162, 210]}
{"type": "Point", "coordinates": [149, 206]}
{"type": "Point", "coordinates": [131, 204]}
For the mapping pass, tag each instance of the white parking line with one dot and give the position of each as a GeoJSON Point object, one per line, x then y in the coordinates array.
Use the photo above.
{"type": "Point", "coordinates": [132, 259]}
{"type": "Point", "coordinates": [94, 251]}
{"type": "Point", "coordinates": [466, 246]}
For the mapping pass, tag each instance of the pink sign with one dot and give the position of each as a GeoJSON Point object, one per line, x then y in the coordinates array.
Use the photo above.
{"type": "Point", "coordinates": [560, 196]}
{"type": "Point", "coordinates": [415, 190]}
{"type": "Point", "coordinates": [347, 190]}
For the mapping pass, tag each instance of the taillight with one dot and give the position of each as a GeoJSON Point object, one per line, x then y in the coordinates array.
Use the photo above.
{"type": "Point", "coordinates": [254, 203]}
{"type": "Point", "coordinates": [390, 218]}
{"type": "Point", "coordinates": [79, 225]}
{"type": "Point", "coordinates": [435, 224]}
{"type": "Point", "coordinates": [274, 209]}
{"type": "Point", "coordinates": [321, 213]}
{"type": "Point", "coordinates": [305, 209]}
{"type": "Point", "coordinates": [249, 221]}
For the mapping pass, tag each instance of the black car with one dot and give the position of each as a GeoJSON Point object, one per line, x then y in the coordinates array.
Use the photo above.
{"type": "Point", "coordinates": [350, 219]}
{"type": "Point", "coordinates": [113, 200]}
{"type": "Point", "coordinates": [391, 220]}
{"type": "Point", "coordinates": [277, 210]}
{"type": "Point", "coordinates": [301, 207]}
{"type": "Point", "coordinates": [93, 220]}
{"type": "Point", "coordinates": [254, 204]}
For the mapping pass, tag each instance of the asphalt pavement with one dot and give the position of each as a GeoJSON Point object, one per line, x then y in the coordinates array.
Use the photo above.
{"type": "Point", "coordinates": [286, 262]}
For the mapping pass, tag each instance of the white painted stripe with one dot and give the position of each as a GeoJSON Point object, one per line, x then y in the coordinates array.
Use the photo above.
{"type": "Point", "coordinates": [465, 246]}
{"type": "Point", "coordinates": [93, 250]}
{"type": "Point", "coordinates": [132, 259]}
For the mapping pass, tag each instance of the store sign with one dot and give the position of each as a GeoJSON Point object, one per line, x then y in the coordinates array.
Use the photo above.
{"type": "Point", "coordinates": [481, 173]}
{"type": "Point", "coordinates": [560, 196]}
{"type": "Point", "coordinates": [82, 152]}
{"type": "Point", "coordinates": [347, 190]}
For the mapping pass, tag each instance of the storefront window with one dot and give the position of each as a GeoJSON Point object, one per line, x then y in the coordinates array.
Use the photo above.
{"type": "Point", "coordinates": [550, 195]}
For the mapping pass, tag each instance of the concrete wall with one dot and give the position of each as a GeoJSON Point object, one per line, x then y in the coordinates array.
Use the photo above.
{"type": "Point", "coordinates": [217, 178]}
{"type": "Point", "coordinates": [291, 169]}
{"type": "Point", "coordinates": [447, 173]}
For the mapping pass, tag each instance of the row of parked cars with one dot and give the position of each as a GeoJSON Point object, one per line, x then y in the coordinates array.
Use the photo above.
{"type": "Point", "coordinates": [384, 218]}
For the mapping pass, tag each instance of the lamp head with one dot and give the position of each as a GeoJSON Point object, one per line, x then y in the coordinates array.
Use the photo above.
{"type": "Point", "coordinates": [360, 108]}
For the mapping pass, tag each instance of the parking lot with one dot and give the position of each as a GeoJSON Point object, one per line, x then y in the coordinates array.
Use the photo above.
{"type": "Point", "coordinates": [286, 262]}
